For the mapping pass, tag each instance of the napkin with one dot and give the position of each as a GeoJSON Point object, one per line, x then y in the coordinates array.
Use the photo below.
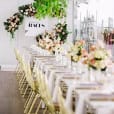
{"type": "Point", "coordinates": [88, 86]}
{"type": "Point", "coordinates": [102, 97]}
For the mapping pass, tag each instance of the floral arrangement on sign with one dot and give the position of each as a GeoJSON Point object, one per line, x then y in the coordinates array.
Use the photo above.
{"type": "Point", "coordinates": [27, 10]}
{"type": "Point", "coordinates": [61, 31]}
{"type": "Point", "coordinates": [53, 40]}
{"type": "Point", "coordinates": [99, 57]}
{"type": "Point", "coordinates": [48, 41]}
{"type": "Point", "coordinates": [12, 24]}
{"type": "Point", "coordinates": [77, 51]}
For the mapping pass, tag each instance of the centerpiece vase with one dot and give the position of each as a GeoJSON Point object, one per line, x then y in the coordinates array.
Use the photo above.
{"type": "Point", "coordinates": [77, 67]}
{"type": "Point", "coordinates": [95, 75]}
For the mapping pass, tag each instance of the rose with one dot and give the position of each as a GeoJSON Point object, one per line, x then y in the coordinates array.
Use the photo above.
{"type": "Point", "coordinates": [84, 53]}
{"type": "Point", "coordinates": [92, 61]}
{"type": "Point", "coordinates": [92, 48]}
{"type": "Point", "coordinates": [82, 42]}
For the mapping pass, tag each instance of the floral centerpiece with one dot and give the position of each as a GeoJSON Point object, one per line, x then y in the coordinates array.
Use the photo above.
{"type": "Point", "coordinates": [27, 10]}
{"type": "Point", "coordinates": [13, 23]}
{"type": "Point", "coordinates": [77, 51]}
{"type": "Point", "coordinates": [99, 57]}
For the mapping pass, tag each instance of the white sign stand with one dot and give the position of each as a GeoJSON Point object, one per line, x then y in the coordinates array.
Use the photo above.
{"type": "Point", "coordinates": [33, 26]}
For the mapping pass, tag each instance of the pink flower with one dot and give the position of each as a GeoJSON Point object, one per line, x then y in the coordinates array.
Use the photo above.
{"type": "Point", "coordinates": [84, 53]}
{"type": "Point", "coordinates": [92, 48]}
{"type": "Point", "coordinates": [92, 61]}
{"type": "Point", "coordinates": [82, 42]}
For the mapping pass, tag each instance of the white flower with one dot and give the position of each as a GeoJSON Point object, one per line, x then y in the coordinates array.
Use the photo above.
{"type": "Point", "coordinates": [26, 13]}
{"type": "Point", "coordinates": [21, 11]}
{"type": "Point", "coordinates": [75, 58]}
{"type": "Point", "coordinates": [99, 54]}
{"type": "Point", "coordinates": [102, 64]}
{"type": "Point", "coordinates": [74, 50]}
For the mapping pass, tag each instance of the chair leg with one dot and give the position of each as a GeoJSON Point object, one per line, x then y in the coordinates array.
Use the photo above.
{"type": "Point", "coordinates": [23, 81]}
{"type": "Point", "coordinates": [28, 98]}
{"type": "Point", "coordinates": [24, 87]}
{"type": "Point", "coordinates": [33, 103]}
{"type": "Point", "coordinates": [27, 91]}
{"type": "Point", "coordinates": [29, 102]}
{"type": "Point", "coordinates": [44, 110]}
{"type": "Point", "coordinates": [37, 110]}
{"type": "Point", "coordinates": [20, 75]}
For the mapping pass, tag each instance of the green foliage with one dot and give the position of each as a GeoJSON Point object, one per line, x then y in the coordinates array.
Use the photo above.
{"type": "Point", "coordinates": [51, 8]}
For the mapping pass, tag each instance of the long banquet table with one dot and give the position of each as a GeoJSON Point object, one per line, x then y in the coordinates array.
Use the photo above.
{"type": "Point", "coordinates": [90, 96]}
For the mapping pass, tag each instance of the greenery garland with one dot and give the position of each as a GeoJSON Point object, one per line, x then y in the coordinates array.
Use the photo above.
{"type": "Point", "coordinates": [51, 8]}
{"type": "Point", "coordinates": [12, 24]}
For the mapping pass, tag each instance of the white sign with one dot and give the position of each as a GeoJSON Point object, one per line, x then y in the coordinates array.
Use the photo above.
{"type": "Point", "coordinates": [33, 26]}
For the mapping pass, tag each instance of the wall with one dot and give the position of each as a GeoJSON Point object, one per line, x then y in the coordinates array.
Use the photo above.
{"type": "Point", "coordinates": [7, 9]}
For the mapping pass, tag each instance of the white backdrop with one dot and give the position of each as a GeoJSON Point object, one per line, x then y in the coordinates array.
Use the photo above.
{"type": "Point", "coordinates": [7, 9]}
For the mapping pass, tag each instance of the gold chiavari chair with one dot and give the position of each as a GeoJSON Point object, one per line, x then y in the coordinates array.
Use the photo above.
{"type": "Point", "coordinates": [25, 80]}
{"type": "Point", "coordinates": [61, 101]}
{"type": "Point", "coordinates": [19, 65]}
{"type": "Point", "coordinates": [20, 74]}
{"type": "Point", "coordinates": [32, 91]}
{"type": "Point", "coordinates": [43, 95]}
{"type": "Point", "coordinates": [64, 90]}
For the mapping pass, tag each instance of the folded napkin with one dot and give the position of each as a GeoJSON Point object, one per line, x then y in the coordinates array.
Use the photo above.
{"type": "Point", "coordinates": [105, 110]}
{"type": "Point", "coordinates": [102, 97]}
{"type": "Point", "coordinates": [88, 86]}
{"type": "Point", "coordinates": [71, 77]}
{"type": "Point", "coordinates": [58, 66]}
{"type": "Point", "coordinates": [60, 70]}
{"type": "Point", "coordinates": [49, 56]}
